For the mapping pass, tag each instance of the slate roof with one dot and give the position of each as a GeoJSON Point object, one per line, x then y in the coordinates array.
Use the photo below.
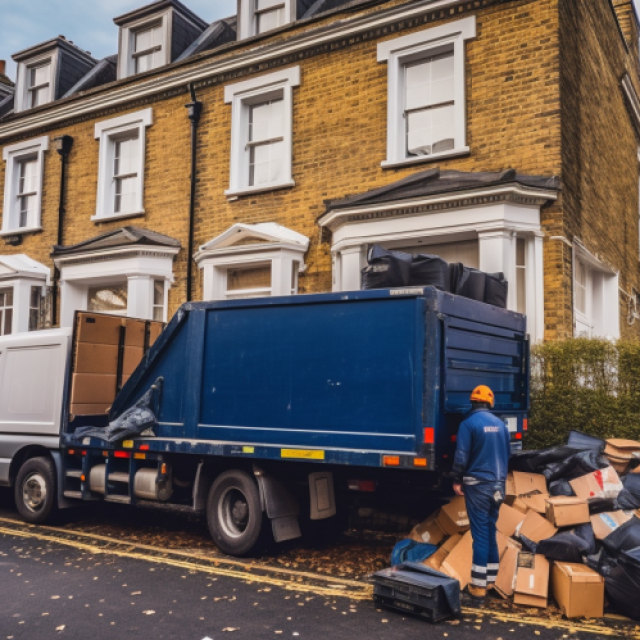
{"type": "Point", "coordinates": [122, 237]}
{"type": "Point", "coordinates": [434, 181]}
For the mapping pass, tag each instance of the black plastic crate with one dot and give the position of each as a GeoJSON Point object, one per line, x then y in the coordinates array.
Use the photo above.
{"type": "Point", "coordinates": [415, 589]}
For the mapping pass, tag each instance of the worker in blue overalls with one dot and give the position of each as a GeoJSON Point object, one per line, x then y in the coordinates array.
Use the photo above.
{"type": "Point", "coordinates": [481, 466]}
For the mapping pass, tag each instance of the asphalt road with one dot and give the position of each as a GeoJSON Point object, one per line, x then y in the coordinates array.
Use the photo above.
{"type": "Point", "coordinates": [69, 583]}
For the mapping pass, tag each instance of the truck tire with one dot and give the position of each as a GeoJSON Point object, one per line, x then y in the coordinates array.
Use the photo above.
{"type": "Point", "coordinates": [234, 513]}
{"type": "Point", "coordinates": [35, 490]}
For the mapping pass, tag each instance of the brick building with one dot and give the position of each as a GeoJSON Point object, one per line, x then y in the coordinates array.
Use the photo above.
{"type": "Point", "coordinates": [499, 133]}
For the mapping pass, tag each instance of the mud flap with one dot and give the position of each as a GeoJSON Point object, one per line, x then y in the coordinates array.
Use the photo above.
{"type": "Point", "coordinates": [322, 494]}
{"type": "Point", "coordinates": [280, 505]}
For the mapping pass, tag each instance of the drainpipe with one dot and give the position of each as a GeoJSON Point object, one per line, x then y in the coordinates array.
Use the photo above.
{"type": "Point", "coordinates": [194, 113]}
{"type": "Point", "coordinates": [63, 147]}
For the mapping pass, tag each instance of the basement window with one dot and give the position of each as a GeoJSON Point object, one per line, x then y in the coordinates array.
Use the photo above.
{"type": "Point", "coordinates": [121, 165]}
{"type": "Point", "coordinates": [426, 102]}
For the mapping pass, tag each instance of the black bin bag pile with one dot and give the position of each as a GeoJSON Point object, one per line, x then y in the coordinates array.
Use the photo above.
{"type": "Point", "coordinates": [389, 269]}
{"type": "Point", "coordinates": [616, 556]}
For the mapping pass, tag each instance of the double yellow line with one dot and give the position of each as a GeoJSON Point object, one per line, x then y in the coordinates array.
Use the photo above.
{"type": "Point", "coordinates": [252, 572]}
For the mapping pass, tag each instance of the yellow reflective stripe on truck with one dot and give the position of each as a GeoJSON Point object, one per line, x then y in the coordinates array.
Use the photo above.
{"type": "Point", "coordinates": [302, 454]}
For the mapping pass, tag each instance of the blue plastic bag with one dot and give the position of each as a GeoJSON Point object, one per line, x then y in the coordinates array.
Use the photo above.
{"type": "Point", "coordinates": [411, 551]}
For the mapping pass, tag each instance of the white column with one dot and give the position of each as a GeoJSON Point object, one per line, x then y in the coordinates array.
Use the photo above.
{"type": "Point", "coordinates": [73, 297]}
{"type": "Point", "coordinates": [336, 271]}
{"type": "Point", "coordinates": [351, 269]}
{"type": "Point", "coordinates": [140, 297]}
{"type": "Point", "coordinates": [215, 281]}
{"type": "Point", "coordinates": [281, 270]}
{"type": "Point", "coordinates": [498, 254]}
{"type": "Point", "coordinates": [535, 288]}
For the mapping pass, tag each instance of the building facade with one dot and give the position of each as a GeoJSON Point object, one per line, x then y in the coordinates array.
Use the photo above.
{"type": "Point", "coordinates": [503, 134]}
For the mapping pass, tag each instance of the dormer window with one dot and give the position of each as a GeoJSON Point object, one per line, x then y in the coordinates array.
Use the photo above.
{"type": "Point", "coordinates": [261, 16]}
{"type": "Point", "coordinates": [39, 84]}
{"type": "Point", "coordinates": [147, 52]}
{"type": "Point", "coordinates": [155, 35]}
{"type": "Point", "coordinates": [47, 71]}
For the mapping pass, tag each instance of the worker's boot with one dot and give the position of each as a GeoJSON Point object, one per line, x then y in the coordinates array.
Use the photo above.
{"type": "Point", "coordinates": [478, 595]}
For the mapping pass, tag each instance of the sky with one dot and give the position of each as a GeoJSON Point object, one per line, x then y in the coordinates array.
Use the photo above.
{"type": "Point", "coordinates": [88, 23]}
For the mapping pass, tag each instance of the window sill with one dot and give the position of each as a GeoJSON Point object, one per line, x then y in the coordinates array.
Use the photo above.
{"type": "Point", "coordinates": [452, 153]}
{"type": "Point", "coordinates": [234, 193]}
{"type": "Point", "coordinates": [118, 216]}
{"type": "Point", "coordinates": [19, 232]}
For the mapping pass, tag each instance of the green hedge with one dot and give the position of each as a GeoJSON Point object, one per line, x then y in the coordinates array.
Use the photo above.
{"type": "Point", "coordinates": [591, 386]}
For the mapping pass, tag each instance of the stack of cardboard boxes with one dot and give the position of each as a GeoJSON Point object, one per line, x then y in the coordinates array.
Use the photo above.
{"type": "Point", "coordinates": [107, 350]}
{"type": "Point", "coordinates": [530, 512]}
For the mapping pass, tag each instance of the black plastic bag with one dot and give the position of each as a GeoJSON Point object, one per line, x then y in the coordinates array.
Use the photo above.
{"type": "Point", "coordinates": [602, 505]}
{"type": "Point", "coordinates": [564, 547]}
{"type": "Point", "coordinates": [578, 440]}
{"type": "Point", "coordinates": [134, 421]}
{"type": "Point", "coordinates": [561, 488]}
{"type": "Point", "coordinates": [386, 269]}
{"type": "Point", "coordinates": [622, 584]}
{"type": "Point", "coordinates": [576, 465]}
{"type": "Point", "coordinates": [629, 497]}
{"type": "Point", "coordinates": [496, 290]}
{"type": "Point", "coordinates": [537, 461]}
{"type": "Point", "coordinates": [529, 545]}
{"type": "Point", "coordinates": [625, 538]}
{"type": "Point", "coordinates": [585, 532]}
{"type": "Point", "coordinates": [471, 284]}
{"type": "Point", "coordinates": [428, 270]}
{"type": "Point", "coordinates": [601, 563]}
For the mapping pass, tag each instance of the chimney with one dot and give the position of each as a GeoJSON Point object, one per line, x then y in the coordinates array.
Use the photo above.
{"type": "Point", "coordinates": [3, 67]}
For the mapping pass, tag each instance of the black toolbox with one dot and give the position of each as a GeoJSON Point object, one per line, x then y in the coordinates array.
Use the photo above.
{"type": "Point", "coordinates": [415, 589]}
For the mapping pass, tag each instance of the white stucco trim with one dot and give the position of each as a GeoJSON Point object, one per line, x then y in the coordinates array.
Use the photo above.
{"type": "Point", "coordinates": [12, 155]}
{"type": "Point", "coordinates": [107, 132]}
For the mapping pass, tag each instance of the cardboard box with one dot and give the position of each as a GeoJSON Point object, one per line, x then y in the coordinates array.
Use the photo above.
{"type": "Point", "coordinates": [529, 483]}
{"type": "Point", "coordinates": [96, 358]}
{"type": "Point", "coordinates": [621, 453]}
{"type": "Point", "coordinates": [606, 523]}
{"type": "Point", "coordinates": [506, 580]}
{"type": "Point", "coordinates": [132, 357]}
{"type": "Point", "coordinates": [510, 488]}
{"type": "Point", "coordinates": [93, 388]}
{"type": "Point", "coordinates": [567, 512]}
{"type": "Point", "coordinates": [505, 543]}
{"type": "Point", "coordinates": [135, 331]}
{"type": "Point", "coordinates": [537, 528]}
{"type": "Point", "coordinates": [453, 517]}
{"type": "Point", "coordinates": [604, 483]}
{"type": "Point", "coordinates": [509, 520]}
{"type": "Point", "coordinates": [89, 409]}
{"type": "Point", "coordinates": [98, 328]}
{"type": "Point", "coordinates": [428, 531]}
{"type": "Point", "coordinates": [537, 502]}
{"type": "Point", "coordinates": [532, 581]}
{"type": "Point", "coordinates": [458, 563]}
{"type": "Point", "coordinates": [155, 329]}
{"type": "Point", "coordinates": [436, 560]}
{"type": "Point", "coordinates": [578, 590]}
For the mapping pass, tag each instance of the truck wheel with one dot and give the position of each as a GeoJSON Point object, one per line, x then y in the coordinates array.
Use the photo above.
{"type": "Point", "coordinates": [35, 490]}
{"type": "Point", "coordinates": [234, 514]}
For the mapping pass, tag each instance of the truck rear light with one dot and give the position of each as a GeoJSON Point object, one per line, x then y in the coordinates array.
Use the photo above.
{"type": "Point", "coordinates": [144, 447]}
{"type": "Point", "coordinates": [140, 456]}
{"type": "Point", "coordinates": [84, 453]}
{"type": "Point", "coordinates": [518, 436]}
{"type": "Point", "coordinates": [362, 485]}
{"type": "Point", "coordinates": [525, 424]}
{"type": "Point", "coordinates": [454, 438]}
{"type": "Point", "coordinates": [391, 461]}
{"type": "Point", "coordinates": [429, 435]}
{"type": "Point", "coordinates": [72, 452]}
{"type": "Point", "coordinates": [121, 454]}
{"type": "Point", "coordinates": [419, 462]}
{"type": "Point", "coordinates": [105, 454]}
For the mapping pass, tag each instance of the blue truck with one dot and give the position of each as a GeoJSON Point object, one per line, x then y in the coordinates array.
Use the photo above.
{"type": "Point", "coordinates": [274, 414]}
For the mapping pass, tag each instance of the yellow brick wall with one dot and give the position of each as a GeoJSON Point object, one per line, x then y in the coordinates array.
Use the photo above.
{"type": "Point", "coordinates": [339, 140]}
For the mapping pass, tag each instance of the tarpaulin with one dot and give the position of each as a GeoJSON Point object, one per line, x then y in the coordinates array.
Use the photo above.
{"type": "Point", "coordinates": [411, 551]}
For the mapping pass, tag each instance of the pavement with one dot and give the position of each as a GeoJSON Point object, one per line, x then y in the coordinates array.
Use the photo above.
{"type": "Point", "coordinates": [116, 574]}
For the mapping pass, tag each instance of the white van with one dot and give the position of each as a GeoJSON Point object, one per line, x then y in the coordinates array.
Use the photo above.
{"type": "Point", "coordinates": [32, 379]}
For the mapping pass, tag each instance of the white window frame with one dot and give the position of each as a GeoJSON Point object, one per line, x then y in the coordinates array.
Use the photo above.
{"type": "Point", "coordinates": [410, 48]}
{"type": "Point", "coordinates": [126, 60]}
{"type": "Point", "coordinates": [247, 17]}
{"type": "Point", "coordinates": [602, 299]}
{"type": "Point", "coordinates": [108, 132]}
{"type": "Point", "coordinates": [241, 96]}
{"type": "Point", "coordinates": [13, 155]}
{"type": "Point", "coordinates": [22, 79]}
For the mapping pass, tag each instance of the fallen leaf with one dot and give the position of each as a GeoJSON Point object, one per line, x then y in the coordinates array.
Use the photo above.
{"type": "Point", "coordinates": [55, 597]}
{"type": "Point", "coordinates": [60, 628]}
{"type": "Point", "coordinates": [231, 628]}
{"type": "Point", "coordinates": [148, 612]}
{"type": "Point", "coordinates": [136, 593]}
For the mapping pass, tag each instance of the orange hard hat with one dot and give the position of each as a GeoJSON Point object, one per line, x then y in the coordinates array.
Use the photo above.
{"type": "Point", "coordinates": [483, 394]}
